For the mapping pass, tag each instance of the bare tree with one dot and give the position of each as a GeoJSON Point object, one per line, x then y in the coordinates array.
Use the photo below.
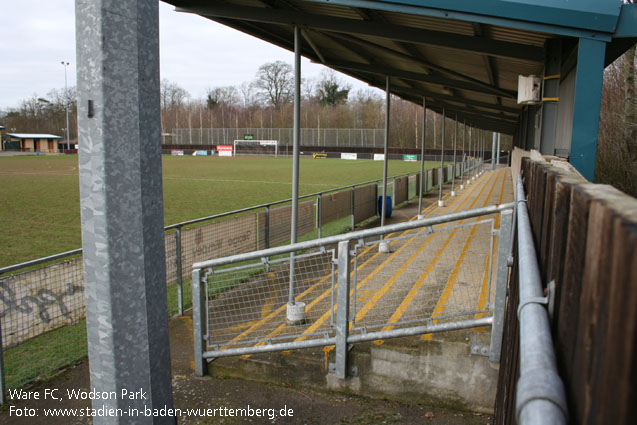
{"type": "Point", "coordinates": [172, 95]}
{"type": "Point", "coordinates": [275, 83]}
{"type": "Point", "coordinates": [227, 96]}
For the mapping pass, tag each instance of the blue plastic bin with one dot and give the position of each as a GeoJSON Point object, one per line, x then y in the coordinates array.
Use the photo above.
{"type": "Point", "coordinates": [387, 206]}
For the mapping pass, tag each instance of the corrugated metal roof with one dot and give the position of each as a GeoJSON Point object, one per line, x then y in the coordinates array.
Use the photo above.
{"type": "Point", "coordinates": [471, 65]}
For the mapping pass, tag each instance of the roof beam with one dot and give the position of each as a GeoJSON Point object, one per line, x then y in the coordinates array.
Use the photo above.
{"type": "Point", "coordinates": [466, 101]}
{"type": "Point", "coordinates": [356, 26]}
{"type": "Point", "coordinates": [417, 61]}
{"type": "Point", "coordinates": [416, 76]}
{"type": "Point", "coordinates": [479, 31]}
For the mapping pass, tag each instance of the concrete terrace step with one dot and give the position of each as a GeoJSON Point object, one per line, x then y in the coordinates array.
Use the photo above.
{"type": "Point", "coordinates": [424, 277]}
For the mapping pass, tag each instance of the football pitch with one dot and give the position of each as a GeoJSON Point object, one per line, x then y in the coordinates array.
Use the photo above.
{"type": "Point", "coordinates": [40, 200]}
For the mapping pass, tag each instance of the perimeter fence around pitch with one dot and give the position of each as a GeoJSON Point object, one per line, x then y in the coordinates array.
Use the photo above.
{"type": "Point", "coordinates": [42, 321]}
{"type": "Point", "coordinates": [318, 137]}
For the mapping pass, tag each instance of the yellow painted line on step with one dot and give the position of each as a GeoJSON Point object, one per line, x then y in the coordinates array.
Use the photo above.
{"type": "Point", "coordinates": [279, 310]}
{"type": "Point", "coordinates": [327, 314]}
{"type": "Point", "coordinates": [442, 301]}
{"type": "Point", "coordinates": [312, 304]}
{"type": "Point", "coordinates": [419, 282]}
{"type": "Point", "coordinates": [423, 277]}
{"type": "Point", "coordinates": [433, 207]}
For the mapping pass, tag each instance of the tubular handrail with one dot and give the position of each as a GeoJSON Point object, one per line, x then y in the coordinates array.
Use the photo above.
{"type": "Point", "coordinates": [540, 396]}
{"type": "Point", "coordinates": [359, 234]}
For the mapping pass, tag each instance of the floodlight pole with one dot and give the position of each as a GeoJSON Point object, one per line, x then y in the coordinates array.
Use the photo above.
{"type": "Point", "coordinates": [66, 106]}
{"type": "Point", "coordinates": [455, 143]}
{"type": "Point", "coordinates": [295, 153]}
{"type": "Point", "coordinates": [441, 203]}
{"type": "Point", "coordinates": [422, 157]}
{"type": "Point", "coordinates": [384, 246]}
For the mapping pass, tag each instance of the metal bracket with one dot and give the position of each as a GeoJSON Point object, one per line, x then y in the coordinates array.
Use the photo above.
{"type": "Point", "coordinates": [352, 371]}
{"type": "Point", "coordinates": [510, 261]}
{"type": "Point", "coordinates": [548, 300]}
{"type": "Point", "coordinates": [479, 350]}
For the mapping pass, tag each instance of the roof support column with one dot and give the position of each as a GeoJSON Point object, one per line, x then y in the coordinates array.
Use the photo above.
{"type": "Point", "coordinates": [464, 135]}
{"type": "Point", "coordinates": [122, 205]}
{"type": "Point", "coordinates": [422, 157]}
{"type": "Point", "coordinates": [493, 145]}
{"type": "Point", "coordinates": [550, 96]}
{"type": "Point", "coordinates": [441, 176]}
{"type": "Point", "coordinates": [455, 144]}
{"type": "Point", "coordinates": [295, 160]}
{"type": "Point", "coordinates": [498, 151]}
{"type": "Point", "coordinates": [586, 106]}
{"type": "Point", "coordinates": [383, 246]}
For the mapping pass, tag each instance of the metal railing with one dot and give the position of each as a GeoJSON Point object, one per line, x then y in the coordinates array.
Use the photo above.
{"type": "Point", "coordinates": [43, 299]}
{"type": "Point", "coordinates": [540, 395]}
{"type": "Point", "coordinates": [350, 292]}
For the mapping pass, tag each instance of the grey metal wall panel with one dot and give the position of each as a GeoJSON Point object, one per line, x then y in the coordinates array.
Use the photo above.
{"type": "Point", "coordinates": [565, 115]}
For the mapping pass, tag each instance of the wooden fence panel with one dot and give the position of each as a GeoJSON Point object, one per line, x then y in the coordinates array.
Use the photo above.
{"type": "Point", "coordinates": [586, 240]}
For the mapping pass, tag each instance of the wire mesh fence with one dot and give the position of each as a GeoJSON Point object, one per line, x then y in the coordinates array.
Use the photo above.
{"type": "Point", "coordinates": [317, 137]}
{"type": "Point", "coordinates": [435, 275]}
{"type": "Point", "coordinates": [42, 320]}
{"type": "Point", "coordinates": [247, 304]}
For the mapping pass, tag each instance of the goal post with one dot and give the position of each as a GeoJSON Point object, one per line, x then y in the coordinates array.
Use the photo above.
{"type": "Point", "coordinates": [256, 147]}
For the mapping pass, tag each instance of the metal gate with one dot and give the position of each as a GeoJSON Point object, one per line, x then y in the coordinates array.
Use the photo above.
{"type": "Point", "coordinates": [436, 277]}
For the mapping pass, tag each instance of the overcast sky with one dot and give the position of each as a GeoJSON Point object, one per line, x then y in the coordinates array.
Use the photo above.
{"type": "Point", "coordinates": [37, 35]}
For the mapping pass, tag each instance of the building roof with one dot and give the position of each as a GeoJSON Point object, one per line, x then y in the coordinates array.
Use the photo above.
{"type": "Point", "coordinates": [33, 136]}
{"type": "Point", "coordinates": [463, 56]}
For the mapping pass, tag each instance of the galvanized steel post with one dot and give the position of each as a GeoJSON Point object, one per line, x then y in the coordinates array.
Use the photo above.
{"type": "Point", "coordinates": [199, 304]}
{"type": "Point", "coordinates": [422, 157]}
{"type": "Point", "coordinates": [180, 283]}
{"type": "Point", "coordinates": [464, 134]}
{"type": "Point", "coordinates": [342, 310]}
{"type": "Point", "coordinates": [441, 178]}
{"type": "Point", "coordinates": [295, 152]}
{"type": "Point", "coordinates": [455, 143]}
{"type": "Point", "coordinates": [498, 151]}
{"type": "Point", "coordinates": [493, 144]}
{"type": "Point", "coordinates": [505, 236]}
{"type": "Point", "coordinates": [384, 246]}
{"type": "Point", "coordinates": [121, 199]}
{"type": "Point", "coordinates": [353, 208]}
{"type": "Point", "coordinates": [3, 389]}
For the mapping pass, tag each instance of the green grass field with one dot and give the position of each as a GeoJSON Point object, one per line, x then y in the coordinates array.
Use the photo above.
{"type": "Point", "coordinates": [39, 195]}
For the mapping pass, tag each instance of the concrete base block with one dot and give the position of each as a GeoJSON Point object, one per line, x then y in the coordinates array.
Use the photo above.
{"type": "Point", "coordinates": [420, 217]}
{"type": "Point", "coordinates": [295, 313]}
{"type": "Point", "coordinates": [453, 193]}
{"type": "Point", "coordinates": [441, 203]}
{"type": "Point", "coordinates": [383, 247]}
